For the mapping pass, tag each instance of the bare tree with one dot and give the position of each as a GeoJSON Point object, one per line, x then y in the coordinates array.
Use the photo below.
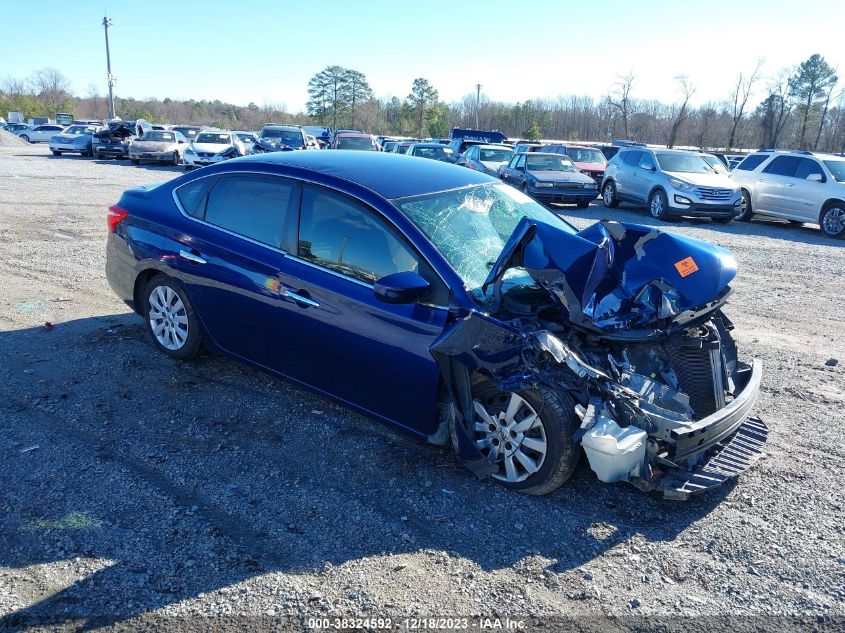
{"type": "Point", "coordinates": [681, 112]}
{"type": "Point", "coordinates": [825, 110]}
{"type": "Point", "coordinates": [51, 87]}
{"type": "Point", "coordinates": [620, 98]}
{"type": "Point", "coordinates": [742, 91]}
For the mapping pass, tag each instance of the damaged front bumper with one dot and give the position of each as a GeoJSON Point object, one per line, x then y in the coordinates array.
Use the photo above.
{"type": "Point", "coordinates": [718, 447]}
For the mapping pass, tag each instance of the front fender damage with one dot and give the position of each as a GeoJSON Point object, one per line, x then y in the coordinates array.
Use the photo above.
{"type": "Point", "coordinates": [629, 342]}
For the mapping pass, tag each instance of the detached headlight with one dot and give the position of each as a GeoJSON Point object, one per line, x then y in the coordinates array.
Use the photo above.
{"type": "Point", "coordinates": [680, 185]}
{"type": "Point", "coordinates": [544, 184]}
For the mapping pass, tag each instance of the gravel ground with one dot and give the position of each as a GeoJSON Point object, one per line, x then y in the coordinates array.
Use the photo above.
{"type": "Point", "coordinates": [140, 492]}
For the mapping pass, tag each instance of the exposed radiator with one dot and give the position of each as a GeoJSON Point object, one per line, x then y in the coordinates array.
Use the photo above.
{"type": "Point", "coordinates": [697, 362]}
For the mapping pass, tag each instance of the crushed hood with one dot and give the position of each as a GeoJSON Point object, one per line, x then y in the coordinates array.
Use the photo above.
{"type": "Point", "coordinates": [618, 279]}
{"type": "Point", "coordinates": [117, 131]}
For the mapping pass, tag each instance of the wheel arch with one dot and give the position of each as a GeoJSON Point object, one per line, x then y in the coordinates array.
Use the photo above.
{"type": "Point", "coordinates": [141, 281]}
{"type": "Point", "coordinates": [827, 203]}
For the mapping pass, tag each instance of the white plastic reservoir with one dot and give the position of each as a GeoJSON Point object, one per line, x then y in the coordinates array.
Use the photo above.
{"type": "Point", "coordinates": [615, 453]}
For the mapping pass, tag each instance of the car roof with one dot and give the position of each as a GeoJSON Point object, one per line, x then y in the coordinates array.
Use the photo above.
{"type": "Point", "coordinates": [554, 154]}
{"type": "Point", "coordinates": [428, 145]}
{"type": "Point", "coordinates": [494, 146]}
{"type": "Point", "coordinates": [353, 135]}
{"type": "Point", "coordinates": [387, 174]}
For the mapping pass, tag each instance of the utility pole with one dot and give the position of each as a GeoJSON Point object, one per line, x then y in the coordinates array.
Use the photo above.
{"type": "Point", "coordinates": [109, 76]}
{"type": "Point", "coordinates": [477, 103]}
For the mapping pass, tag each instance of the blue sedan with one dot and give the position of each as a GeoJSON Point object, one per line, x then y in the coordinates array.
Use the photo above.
{"type": "Point", "coordinates": [449, 304]}
{"type": "Point", "coordinates": [549, 178]}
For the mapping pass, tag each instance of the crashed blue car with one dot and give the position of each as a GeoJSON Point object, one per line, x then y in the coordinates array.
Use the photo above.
{"type": "Point", "coordinates": [454, 306]}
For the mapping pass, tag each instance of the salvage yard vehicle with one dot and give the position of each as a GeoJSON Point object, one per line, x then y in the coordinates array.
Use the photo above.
{"type": "Point", "coordinates": [189, 131]}
{"type": "Point", "coordinates": [210, 147]}
{"type": "Point", "coordinates": [486, 158]}
{"type": "Point", "coordinates": [40, 133]}
{"type": "Point", "coordinates": [455, 307]}
{"type": "Point", "coordinates": [113, 142]}
{"type": "Point", "coordinates": [76, 139]}
{"type": "Point", "coordinates": [434, 151]}
{"type": "Point", "coordinates": [670, 183]}
{"type": "Point", "coordinates": [355, 141]}
{"type": "Point", "coordinates": [158, 146]}
{"type": "Point", "coordinates": [294, 136]}
{"type": "Point", "coordinates": [796, 186]}
{"type": "Point", "coordinates": [549, 178]}
{"type": "Point", "coordinates": [589, 160]}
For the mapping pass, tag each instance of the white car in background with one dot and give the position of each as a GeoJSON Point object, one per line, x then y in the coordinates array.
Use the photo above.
{"type": "Point", "coordinates": [212, 146]}
{"type": "Point", "coordinates": [40, 133]}
{"type": "Point", "coordinates": [796, 186]}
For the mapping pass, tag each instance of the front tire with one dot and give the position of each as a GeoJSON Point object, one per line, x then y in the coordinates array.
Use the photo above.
{"type": "Point", "coordinates": [175, 159]}
{"type": "Point", "coordinates": [55, 153]}
{"type": "Point", "coordinates": [608, 195]}
{"type": "Point", "coordinates": [134, 161]}
{"type": "Point", "coordinates": [26, 138]}
{"type": "Point", "coordinates": [658, 205]}
{"type": "Point", "coordinates": [528, 434]}
{"type": "Point", "coordinates": [747, 212]}
{"type": "Point", "coordinates": [170, 319]}
{"type": "Point", "coordinates": [832, 220]}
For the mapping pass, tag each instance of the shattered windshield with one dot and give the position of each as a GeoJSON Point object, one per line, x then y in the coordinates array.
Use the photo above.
{"type": "Point", "coordinates": [470, 226]}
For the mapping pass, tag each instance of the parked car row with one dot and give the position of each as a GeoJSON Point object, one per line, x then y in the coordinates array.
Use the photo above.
{"type": "Point", "coordinates": [796, 186]}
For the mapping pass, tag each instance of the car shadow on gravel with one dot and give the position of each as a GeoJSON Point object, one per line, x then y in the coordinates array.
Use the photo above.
{"type": "Point", "coordinates": [764, 227]}
{"type": "Point", "coordinates": [132, 482]}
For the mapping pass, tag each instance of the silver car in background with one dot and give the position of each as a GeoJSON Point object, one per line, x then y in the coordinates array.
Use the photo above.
{"type": "Point", "coordinates": [161, 146]}
{"type": "Point", "coordinates": [75, 139]}
{"type": "Point", "coordinates": [670, 183]}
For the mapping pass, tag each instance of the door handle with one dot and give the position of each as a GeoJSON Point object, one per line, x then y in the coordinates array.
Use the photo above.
{"type": "Point", "coordinates": [192, 256]}
{"type": "Point", "coordinates": [298, 298]}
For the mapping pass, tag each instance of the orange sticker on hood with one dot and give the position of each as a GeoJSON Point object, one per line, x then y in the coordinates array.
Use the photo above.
{"type": "Point", "coordinates": [686, 266]}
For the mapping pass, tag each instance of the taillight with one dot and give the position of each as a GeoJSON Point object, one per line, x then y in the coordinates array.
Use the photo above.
{"type": "Point", "coordinates": [115, 217]}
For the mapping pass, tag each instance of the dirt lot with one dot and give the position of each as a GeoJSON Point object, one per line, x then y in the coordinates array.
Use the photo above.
{"type": "Point", "coordinates": [138, 491]}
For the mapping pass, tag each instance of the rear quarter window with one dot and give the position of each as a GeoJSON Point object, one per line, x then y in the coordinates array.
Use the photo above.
{"type": "Point", "coordinates": [751, 162]}
{"type": "Point", "coordinates": [192, 196]}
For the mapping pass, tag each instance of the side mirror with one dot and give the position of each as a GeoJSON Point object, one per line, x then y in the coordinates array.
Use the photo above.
{"type": "Point", "coordinates": [405, 287]}
{"type": "Point", "coordinates": [520, 168]}
{"type": "Point", "coordinates": [815, 178]}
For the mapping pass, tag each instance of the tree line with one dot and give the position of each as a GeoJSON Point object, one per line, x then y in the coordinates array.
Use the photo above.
{"type": "Point", "coordinates": [801, 108]}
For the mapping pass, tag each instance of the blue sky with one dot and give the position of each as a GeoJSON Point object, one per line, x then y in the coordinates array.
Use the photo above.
{"type": "Point", "coordinates": [265, 51]}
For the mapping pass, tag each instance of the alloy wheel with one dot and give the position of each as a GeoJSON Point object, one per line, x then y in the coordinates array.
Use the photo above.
{"type": "Point", "coordinates": [168, 318]}
{"type": "Point", "coordinates": [510, 434]}
{"type": "Point", "coordinates": [656, 206]}
{"type": "Point", "coordinates": [833, 221]}
{"type": "Point", "coordinates": [607, 195]}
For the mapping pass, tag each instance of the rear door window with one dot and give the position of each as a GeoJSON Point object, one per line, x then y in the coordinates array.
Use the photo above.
{"type": "Point", "coordinates": [782, 166]}
{"type": "Point", "coordinates": [632, 157]}
{"type": "Point", "coordinates": [253, 206]}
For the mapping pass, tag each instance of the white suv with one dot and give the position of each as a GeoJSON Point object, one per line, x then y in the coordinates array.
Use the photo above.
{"type": "Point", "coordinates": [797, 186]}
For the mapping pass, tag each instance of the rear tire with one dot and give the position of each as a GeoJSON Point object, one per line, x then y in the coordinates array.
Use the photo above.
{"type": "Point", "coordinates": [608, 195]}
{"type": "Point", "coordinates": [832, 220]}
{"type": "Point", "coordinates": [747, 212]}
{"type": "Point", "coordinates": [170, 319]}
{"type": "Point", "coordinates": [55, 153]}
{"type": "Point", "coordinates": [134, 161]}
{"type": "Point", "coordinates": [175, 159]}
{"type": "Point", "coordinates": [552, 431]}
